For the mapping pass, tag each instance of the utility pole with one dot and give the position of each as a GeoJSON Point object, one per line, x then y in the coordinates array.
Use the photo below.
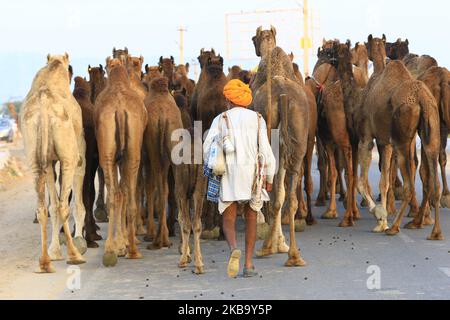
{"type": "Point", "coordinates": [182, 30]}
{"type": "Point", "coordinates": [306, 38]}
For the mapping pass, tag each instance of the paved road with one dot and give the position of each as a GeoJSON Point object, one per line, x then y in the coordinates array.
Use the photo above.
{"type": "Point", "coordinates": [338, 260]}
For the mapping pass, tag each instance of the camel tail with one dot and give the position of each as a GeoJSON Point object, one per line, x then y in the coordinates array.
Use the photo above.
{"type": "Point", "coordinates": [429, 115]}
{"type": "Point", "coordinates": [43, 140]}
{"type": "Point", "coordinates": [121, 133]}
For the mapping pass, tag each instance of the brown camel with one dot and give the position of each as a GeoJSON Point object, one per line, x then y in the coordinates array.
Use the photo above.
{"type": "Point", "coordinates": [121, 108]}
{"type": "Point", "coordinates": [208, 102]}
{"type": "Point", "coordinates": [82, 93]}
{"type": "Point", "coordinates": [395, 108]}
{"type": "Point", "coordinates": [289, 111]}
{"type": "Point", "coordinates": [97, 81]}
{"type": "Point", "coordinates": [233, 73]}
{"type": "Point", "coordinates": [164, 118]}
{"type": "Point", "coordinates": [51, 124]}
{"type": "Point", "coordinates": [417, 65]}
{"type": "Point", "coordinates": [121, 54]}
{"type": "Point", "coordinates": [337, 100]}
{"type": "Point", "coordinates": [397, 50]}
{"type": "Point", "coordinates": [182, 83]}
{"type": "Point", "coordinates": [437, 80]}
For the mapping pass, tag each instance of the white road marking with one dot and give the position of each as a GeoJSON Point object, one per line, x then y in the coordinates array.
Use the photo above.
{"type": "Point", "coordinates": [405, 238]}
{"type": "Point", "coordinates": [446, 271]}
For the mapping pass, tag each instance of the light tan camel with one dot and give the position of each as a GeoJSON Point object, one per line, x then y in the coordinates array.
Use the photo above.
{"type": "Point", "coordinates": [360, 59]}
{"type": "Point", "coordinates": [395, 108]}
{"type": "Point", "coordinates": [120, 120]}
{"type": "Point", "coordinates": [289, 112]}
{"type": "Point", "coordinates": [52, 129]}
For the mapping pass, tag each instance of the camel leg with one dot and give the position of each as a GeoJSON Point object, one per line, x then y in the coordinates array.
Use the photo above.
{"type": "Point", "coordinates": [322, 165]}
{"type": "Point", "coordinates": [198, 201]}
{"type": "Point", "coordinates": [432, 159]}
{"type": "Point", "coordinates": [390, 202]}
{"type": "Point", "coordinates": [331, 213]}
{"type": "Point", "coordinates": [55, 246]}
{"type": "Point", "coordinates": [414, 204]}
{"type": "Point", "coordinates": [184, 219]}
{"type": "Point", "coordinates": [172, 205]}
{"type": "Point", "coordinates": [100, 212]}
{"type": "Point", "coordinates": [275, 241]}
{"type": "Point", "coordinates": [404, 162]}
{"type": "Point", "coordinates": [140, 230]}
{"type": "Point", "coordinates": [110, 255]}
{"type": "Point", "coordinates": [131, 177]}
{"type": "Point", "coordinates": [45, 265]}
{"type": "Point", "coordinates": [354, 166]}
{"type": "Point", "coordinates": [88, 199]}
{"type": "Point", "coordinates": [309, 187]}
{"type": "Point", "coordinates": [340, 182]}
{"type": "Point", "coordinates": [80, 211]}
{"type": "Point", "coordinates": [445, 199]}
{"type": "Point", "coordinates": [150, 189]}
{"type": "Point", "coordinates": [301, 210]}
{"type": "Point", "coordinates": [349, 217]}
{"type": "Point", "coordinates": [120, 237]}
{"type": "Point", "coordinates": [162, 237]}
{"type": "Point", "coordinates": [386, 161]}
{"type": "Point", "coordinates": [294, 259]}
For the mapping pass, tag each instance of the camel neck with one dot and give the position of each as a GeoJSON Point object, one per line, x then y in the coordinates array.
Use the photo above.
{"type": "Point", "coordinates": [379, 64]}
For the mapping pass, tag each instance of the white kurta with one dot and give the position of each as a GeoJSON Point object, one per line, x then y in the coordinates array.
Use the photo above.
{"type": "Point", "coordinates": [237, 183]}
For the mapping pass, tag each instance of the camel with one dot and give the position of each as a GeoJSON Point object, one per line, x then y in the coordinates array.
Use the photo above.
{"type": "Point", "coordinates": [289, 111]}
{"type": "Point", "coordinates": [334, 89]}
{"type": "Point", "coordinates": [397, 50]}
{"type": "Point", "coordinates": [168, 66]}
{"type": "Point", "coordinates": [97, 83]}
{"type": "Point", "coordinates": [120, 54]}
{"type": "Point", "coordinates": [121, 108]}
{"type": "Point", "coordinates": [437, 80]}
{"type": "Point", "coordinates": [394, 109]}
{"type": "Point", "coordinates": [208, 102]}
{"type": "Point", "coordinates": [360, 59]}
{"type": "Point", "coordinates": [51, 124]}
{"type": "Point", "coordinates": [82, 93]}
{"type": "Point", "coordinates": [164, 118]}
{"type": "Point", "coordinates": [233, 73]}
{"type": "Point", "coordinates": [182, 82]}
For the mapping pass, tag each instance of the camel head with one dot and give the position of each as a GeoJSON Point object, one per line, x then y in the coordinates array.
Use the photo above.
{"type": "Point", "coordinates": [134, 64]}
{"type": "Point", "coordinates": [121, 54]}
{"type": "Point", "coordinates": [181, 72]}
{"type": "Point", "coordinates": [265, 41]}
{"type": "Point", "coordinates": [397, 50]}
{"type": "Point", "coordinates": [167, 66]}
{"type": "Point", "coordinates": [343, 55]}
{"type": "Point", "coordinates": [204, 56]}
{"type": "Point", "coordinates": [114, 64]}
{"type": "Point", "coordinates": [359, 54]}
{"type": "Point", "coordinates": [214, 66]}
{"type": "Point", "coordinates": [96, 74]}
{"type": "Point", "coordinates": [245, 76]}
{"type": "Point", "coordinates": [60, 64]}
{"type": "Point", "coordinates": [327, 51]}
{"type": "Point", "coordinates": [82, 87]}
{"type": "Point", "coordinates": [376, 48]}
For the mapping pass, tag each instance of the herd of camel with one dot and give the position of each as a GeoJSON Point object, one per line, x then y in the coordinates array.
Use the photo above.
{"type": "Point", "coordinates": [118, 126]}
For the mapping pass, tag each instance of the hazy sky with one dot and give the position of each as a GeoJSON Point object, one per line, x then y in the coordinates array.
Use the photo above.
{"type": "Point", "coordinates": [88, 29]}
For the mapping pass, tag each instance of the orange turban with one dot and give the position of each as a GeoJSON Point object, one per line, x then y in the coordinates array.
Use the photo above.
{"type": "Point", "coordinates": [238, 93]}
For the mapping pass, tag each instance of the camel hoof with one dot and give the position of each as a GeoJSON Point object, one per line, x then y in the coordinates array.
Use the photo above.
{"type": "Point", "coordinates": [148, 238]}
{"type": "Point", "coordinates": [347, 223]}
{"type": "Point", "coordinates": [92, 245]}
{"type": "Point", "coordinates": [300, 225]}
{"type": "Point", "coordinates": [75, 260]}
{"type": "Point", "coordinates": [398, 193]}
{"type": "Point", "coordinates": [285, 220]}
{"type": "Point", "coordinates": [122, 252]}
{"type": "Point", "coordinates": [100, 215]}
{"type": "Point", "coordinates": [80, 244]}
{"type": "Point", "coordinates": [295, 262]}
{"type": "Point", "coordinates": [264, 252]}
{"type": "Point", "coordinates": [109, 259]}
{"type": "Point", "coordinates": [45, 268]}
{"type": "Point", "coordinates": [262, 230]}
{"type": "Point", "coordinates": [320, 203]}
{"type": "Point", "coordinates": [283, 248]}
{"type": "Point", "coordinates": [36, 221]}
{"type": "Point", "coordinates": [134, 255]}
{"type": "Point", "coordinates": [364, 203]}
{"type": "Point", "coordinates": [413, 226]}
{"type": "Point", "coordinates": [199, 270]}
{"type": "Point", "coordinates": [392, 231]}
{"type": "Point", "coordinates": [207, 235]}
{"type": "Point", "coordinates": [330, 215]}
{"type": "Point", "coordinates": [445, 201]}
{"type": "Point", "coordinates": [93, 237]}
{"type": "Point", "coordinates": [380, 213]}
{"type": "Point", "coordinates": [436, 237]}
{"type": "Point", "coordinates": [62, 239]}
{"type": "Point", "coordinates": [55, 254]}
{"type": "Point", "coordinates": [311, 221]}
{"type": "Point", "coordinates": [428, 221]}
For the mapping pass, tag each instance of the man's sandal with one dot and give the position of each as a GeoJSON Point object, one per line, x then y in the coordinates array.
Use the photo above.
{"type": "Point", "coordinates": [233, 263]}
